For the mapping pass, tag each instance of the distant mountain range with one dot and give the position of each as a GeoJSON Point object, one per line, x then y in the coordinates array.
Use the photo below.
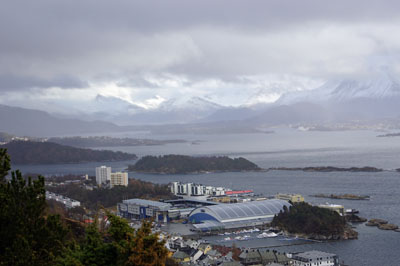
{"type": "Point", "coordinates": [184, 110]}
{"type": "Point", "coordinates": [374, 98]}
{"type": "Point", "coordinates": [380, 85]}
{"type": "Point", "coordinates": [377, 96]}
{"type": "Point", "coordinates": [23, 122]}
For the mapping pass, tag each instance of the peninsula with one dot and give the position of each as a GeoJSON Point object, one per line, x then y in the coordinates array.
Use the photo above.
{"type": "Point", "coordinates": [30, 152]}
{"type": "Point", "coordinates": [181, 164]}
{"type": "Point", "coordinates": [328, 169]}
{"type": "Point", "coordinates": [104, 141]}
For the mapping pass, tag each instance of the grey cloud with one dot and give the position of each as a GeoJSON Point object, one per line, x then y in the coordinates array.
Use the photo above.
{"type": "Point", "coordinates": [12, 83]}
{"type": "Point", "coordinates": [137, 82]}
{"type": "Point", "coordinates": [69, 44]}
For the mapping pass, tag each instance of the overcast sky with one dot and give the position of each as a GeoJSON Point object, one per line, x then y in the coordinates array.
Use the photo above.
{"type": "Point", "coordinates": [58, 55]}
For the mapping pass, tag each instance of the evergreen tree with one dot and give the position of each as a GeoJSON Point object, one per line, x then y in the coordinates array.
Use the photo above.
{"type": "Point", "coordinates": [4, 164]}
{"type": "Point", "coordinates": [27, 236]}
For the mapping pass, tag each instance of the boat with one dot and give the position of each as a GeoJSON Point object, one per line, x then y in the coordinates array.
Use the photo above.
{"type": "Point", "coordinates": [262, 235]}
{"type": "Point", "coordinates": [267, 235]}
{"type": "Point", "coordinates": [351, 211]}
{"type": "Point", "coordinates": [228, 238]}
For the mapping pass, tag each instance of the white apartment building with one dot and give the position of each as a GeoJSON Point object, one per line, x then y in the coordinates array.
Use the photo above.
{"type": "Point", "coordinates": [196, 190]}
{"type": "Point", "coordinates": [103, 174]}
{"type": "Point", "coordinates": [119, 179]}
{"type": "Point", "coordinates": [188, 189]}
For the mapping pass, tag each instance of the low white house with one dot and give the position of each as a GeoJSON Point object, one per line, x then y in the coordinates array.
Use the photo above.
{"type": "Point", "coordinates": [314, 258]}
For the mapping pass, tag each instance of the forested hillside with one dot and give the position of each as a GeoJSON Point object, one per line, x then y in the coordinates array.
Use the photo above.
{"type": "Point", "coordinates": [29, 152]}
{"type": "Point", "coordinates": [181, 164]}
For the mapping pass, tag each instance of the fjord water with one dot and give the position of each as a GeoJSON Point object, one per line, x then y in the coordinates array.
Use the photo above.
{"type": "Point", "coordinates": [291, 148]}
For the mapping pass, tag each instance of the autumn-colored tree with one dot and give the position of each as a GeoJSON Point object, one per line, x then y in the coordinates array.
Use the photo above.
{"type": "Point", "coordinates": [146, 249]}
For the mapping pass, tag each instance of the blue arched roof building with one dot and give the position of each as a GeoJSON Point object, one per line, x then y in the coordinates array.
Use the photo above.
{"type": "Point", "coordinates": [237, 214]}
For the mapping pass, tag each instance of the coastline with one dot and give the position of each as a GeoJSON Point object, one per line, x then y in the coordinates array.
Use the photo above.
{"type": "Point", "coordinates": [196, 172]}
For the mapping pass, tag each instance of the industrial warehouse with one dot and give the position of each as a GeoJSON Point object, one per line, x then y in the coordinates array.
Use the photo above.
{"type": "Point", "coordinates": [225, 216]}
{"type": "Point", "coordinates": [142, 209]}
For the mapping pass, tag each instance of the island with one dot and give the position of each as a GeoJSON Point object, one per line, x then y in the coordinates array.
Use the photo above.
{"type": "Point", "coordinates": [312, 222]}
{"type": "Point", "coordinates": [328, 169]}
{"type": "Point", "coordinates": [104, 141]}
{"type": "Point", "coordinates": [389, 135]}
{"type": "Point", "coordinates": [341, 196]}
{"type": "Point", "coordinates": [182, 164]}
{"type": "Point", "coordinates": [30, 152]}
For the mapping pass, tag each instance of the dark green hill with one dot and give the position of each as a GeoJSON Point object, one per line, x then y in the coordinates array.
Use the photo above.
{"type": "Point", "coordinates": [29, 152]}
{"type": "Point", "coordinates": [181, 164]}
{"type": "Point", "coordinates": [313, 222]}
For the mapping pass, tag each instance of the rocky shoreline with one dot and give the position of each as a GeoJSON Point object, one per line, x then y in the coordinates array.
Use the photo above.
{"type": "Point", "coordinates": [348, 234]}
{"type": "Point", "coordinates": [355, 219]}
{"type": "Point", "coordinates": [382, 224]}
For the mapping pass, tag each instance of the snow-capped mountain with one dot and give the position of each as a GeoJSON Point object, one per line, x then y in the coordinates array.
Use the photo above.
{"type": "Point", "coordinates": [174, 110]}
{"type": "Point", "coordinates": [113, 105]}
{"type": "Point", "coordinates": [181, 110]}
{"type": "Point", "coordinates": [261, 97]}
{"type": "Point", "coordinates": [376, 96]}
{"type": "Point", "coordinates": [380, 86]}
{"type": "Point", "coordinates": [193, 103]}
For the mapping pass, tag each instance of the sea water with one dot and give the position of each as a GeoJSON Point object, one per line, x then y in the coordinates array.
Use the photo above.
{"type": "Point", "coordinates": [291, 148]}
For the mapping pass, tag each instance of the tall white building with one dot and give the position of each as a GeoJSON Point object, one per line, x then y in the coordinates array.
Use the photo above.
{"type": "Point", "coordinates": [119, 179]}
{"type": "Point", "coordinates": [103, 174]}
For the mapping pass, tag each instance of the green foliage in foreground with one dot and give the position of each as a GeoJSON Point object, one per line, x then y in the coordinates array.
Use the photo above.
{"type": "Point", "coordinates": [30, 237]}
{"type": "Point", "coordinates": [306, 219]}
{"type": "Point", "coordinates": [27, 236]}
{"type": "Point", "coordinates": [181, 164]}
{"type": "Point", "coordinates": [118, 245]}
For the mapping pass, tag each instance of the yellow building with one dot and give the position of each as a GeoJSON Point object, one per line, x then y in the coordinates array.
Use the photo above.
{"type": "Point", "coordinates": [222, 199]}
{"type": "Point", "coordinates": [181, 256]}
{"type": "Point", "coordinates": [290, 197]}
{"type": "Point", "coordinates": [119, 179]}
{"type": "Point", "coordinates": [205, 247]}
